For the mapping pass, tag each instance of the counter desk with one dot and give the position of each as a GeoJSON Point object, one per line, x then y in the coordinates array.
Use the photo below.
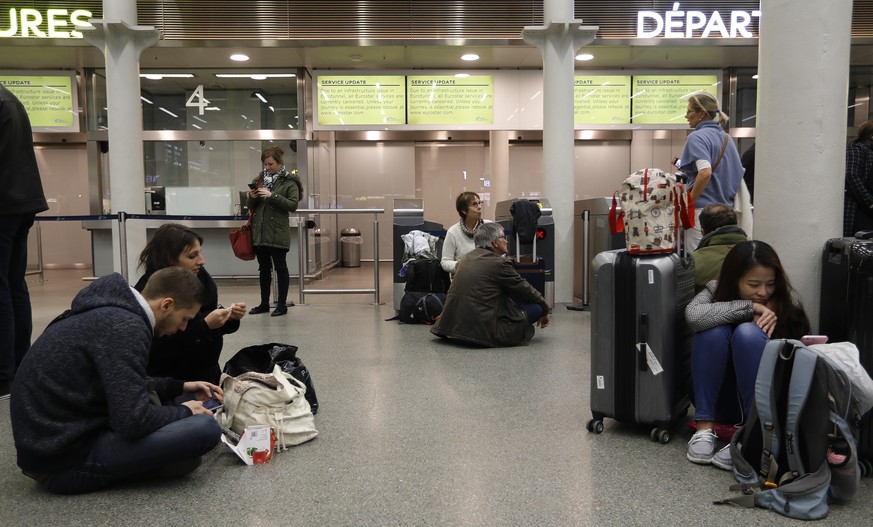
{"type": "Point", "coordinates": [220, 260]}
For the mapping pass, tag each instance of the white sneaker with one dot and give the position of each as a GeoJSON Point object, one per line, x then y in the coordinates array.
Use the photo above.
{"type": "Point", "coordinates": [722, 459]}
{"type": "Point", "coordinates": [702, 447]}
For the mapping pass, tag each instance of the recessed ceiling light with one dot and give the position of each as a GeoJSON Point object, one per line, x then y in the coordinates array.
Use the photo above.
{"type": "Point", "coordinates": [584, 56]}
{"type": "Point", "coordinates": [356, 58]}
{"type": "Point", "coordinates": [239, 57]}
{"type": "Point", "coordinates": [159, 76]}
{"type": "Point", "coordinates": [470, 56]}
{"type": "Point", "coordinates": [255, 76]}
{"type": "Point", "coordinates": [755, 76]}
{"type": "Point", "coordinates": [462, 75]}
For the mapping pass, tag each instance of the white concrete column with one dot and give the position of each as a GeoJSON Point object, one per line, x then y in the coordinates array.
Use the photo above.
{"type": "Point", "coordinates": [558, 41]}
{"type": "Point", "coordinates": [122, 41]}
{"type": "Point", "coordinates": [498, 148]}
{"type": "Point", "coordinates": [803, 68]}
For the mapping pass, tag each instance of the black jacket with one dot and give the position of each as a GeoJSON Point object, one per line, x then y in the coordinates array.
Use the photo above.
{"type": "Point", "coordinates": [20, 185]}
{"type": "Point", "coordinates": [525, 216]}
{"type": "Point", "coordinates": [191, 355]}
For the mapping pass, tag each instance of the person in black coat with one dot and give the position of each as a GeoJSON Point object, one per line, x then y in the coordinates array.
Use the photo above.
{"type": "Point", "coordinates": [21, 198]}
{"type": "Point", "coordinates": [191, 354]}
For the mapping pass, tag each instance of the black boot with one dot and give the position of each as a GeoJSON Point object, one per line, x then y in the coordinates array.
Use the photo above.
{"type": "Point", "coordinates": [283, 282]}
{"type": "Point", "coordinates": [264, 279]}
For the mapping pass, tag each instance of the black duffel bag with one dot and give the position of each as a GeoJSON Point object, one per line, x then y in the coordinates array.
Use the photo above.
{"type": "Point", "coordinates": [262, 357]}
{"type": "Point", "coordinates": [421, 308]}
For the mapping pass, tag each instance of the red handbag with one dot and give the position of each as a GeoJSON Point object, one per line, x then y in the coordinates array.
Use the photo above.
{"type": "Point", "coordinates": [241, 241]}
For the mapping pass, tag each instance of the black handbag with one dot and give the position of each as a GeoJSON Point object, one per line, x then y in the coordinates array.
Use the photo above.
{"type": "Point", "coordinates": [262, 357]}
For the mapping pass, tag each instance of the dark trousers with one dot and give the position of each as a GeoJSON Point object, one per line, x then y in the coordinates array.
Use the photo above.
{"type": "Point", "coordinates": [533, 312]}
{"type": "Point", "coordinates": [269, 257]}
{"type": "Point", "coordinates": [16, 322]}
{"type": "Point", "coordinates": [171, 451]}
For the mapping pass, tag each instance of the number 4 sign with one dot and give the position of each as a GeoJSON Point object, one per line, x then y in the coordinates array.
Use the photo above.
{"type": "Point", "coordinates": [197, 100]}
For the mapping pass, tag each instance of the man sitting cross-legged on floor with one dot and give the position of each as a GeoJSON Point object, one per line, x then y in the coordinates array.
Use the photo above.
{"type": "Point", "coordinates": [489, 303]}
{"type": "Point", "coordinates": [84, 413]}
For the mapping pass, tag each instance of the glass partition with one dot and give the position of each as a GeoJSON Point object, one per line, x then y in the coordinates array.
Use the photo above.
{"type": "Point", "coordinates": [200, 99]}
{"type": "Point", "coordinates": [205, 128]}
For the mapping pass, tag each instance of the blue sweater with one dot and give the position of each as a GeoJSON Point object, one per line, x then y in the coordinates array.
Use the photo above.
{"type": "Point", "coordinates": [86, 374]}
{"type": "Point", "coordinates": [706, 142]}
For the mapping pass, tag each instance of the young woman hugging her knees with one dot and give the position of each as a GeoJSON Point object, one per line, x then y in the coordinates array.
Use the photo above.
{"type": "Point", "coordinates": [733, 317]}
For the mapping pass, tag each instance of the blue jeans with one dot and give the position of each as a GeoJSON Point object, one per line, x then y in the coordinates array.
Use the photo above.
{"type": "Point", "coordinates": [726, 357]}
{"type": "Point", "coordinates": [172, 450]}
{"type": "Point", "coordinates": [16, 323]}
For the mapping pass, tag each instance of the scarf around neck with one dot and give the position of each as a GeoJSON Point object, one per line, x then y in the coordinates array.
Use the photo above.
{"type": "Point", "coordinates": [268, 179]}
{"type": "Point", "coordinates": [469, 232]}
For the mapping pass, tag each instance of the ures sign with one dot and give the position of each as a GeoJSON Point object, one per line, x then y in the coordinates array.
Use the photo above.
{"type": "Point", "coordinates": [25, 22]}
{"type": "Point", "coordinates": [695, 24]}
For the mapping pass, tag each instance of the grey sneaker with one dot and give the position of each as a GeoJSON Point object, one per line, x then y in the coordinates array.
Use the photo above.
{"type": "Point", "coordinates": [702, 447]}
{"type": "Point", "coordinates": [722, 459]}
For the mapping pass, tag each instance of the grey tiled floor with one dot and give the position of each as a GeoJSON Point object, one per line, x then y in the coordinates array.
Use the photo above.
{"type": "Point", "coordinates": [414, 431]}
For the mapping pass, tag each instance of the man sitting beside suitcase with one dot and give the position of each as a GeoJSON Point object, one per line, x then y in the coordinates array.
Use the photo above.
{"type": "Point", "coordinates": [489, 303]}
{"type": "Point", "coordinates": [718, 223]}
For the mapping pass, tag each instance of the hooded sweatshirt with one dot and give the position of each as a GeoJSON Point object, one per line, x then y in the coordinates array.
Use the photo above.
{"type": "Point", "coordinates": [85, 375]}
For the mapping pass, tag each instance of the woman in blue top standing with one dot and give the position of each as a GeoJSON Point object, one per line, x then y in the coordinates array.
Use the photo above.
{"type": "Point", "coordinates": [709, 159]}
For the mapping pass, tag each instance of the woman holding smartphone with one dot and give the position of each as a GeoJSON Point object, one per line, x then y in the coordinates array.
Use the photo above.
{"type": "Point", "coordinates": [275, 195]}
{"type": "Point", "coordinates": [734, 317]}
{"type": "Point", "coordinates": [192, 354]}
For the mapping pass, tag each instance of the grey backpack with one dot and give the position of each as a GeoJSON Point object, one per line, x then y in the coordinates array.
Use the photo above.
{"type": "Point", "coordinates": [797, 451]}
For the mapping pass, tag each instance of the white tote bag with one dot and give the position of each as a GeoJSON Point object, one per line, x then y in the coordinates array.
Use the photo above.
{"type": "Point", "coordinates": [276, 399]}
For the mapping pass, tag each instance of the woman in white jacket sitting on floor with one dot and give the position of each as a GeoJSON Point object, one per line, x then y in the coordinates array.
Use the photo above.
{"type": "Point", "coordinates": [459, 237]}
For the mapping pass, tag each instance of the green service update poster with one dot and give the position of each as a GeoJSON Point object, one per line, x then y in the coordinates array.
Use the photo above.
{"type": "Point", "coordinates": [47, 98]}
{"type": "Point", "coordinates": [446, 99]}
{"type": "Point", "coordinates": [602, 99]}
{"type": "Point", "coordinates": [663, 99]}
{"type": "Point", "coordinates": [361, 99]}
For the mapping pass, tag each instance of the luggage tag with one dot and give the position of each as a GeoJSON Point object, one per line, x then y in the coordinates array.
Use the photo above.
{"type": "Point", "coordinates": [651, 360]}
{"type": "Point", "coordinates": [643, 346]}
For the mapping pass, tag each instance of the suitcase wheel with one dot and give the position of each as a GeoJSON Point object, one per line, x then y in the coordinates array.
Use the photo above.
{"type": "Point", "coordinates": [866, 467]}
{"type": "Point", "coordinates": [595, 426]}
{"type": "Point", "coordinates": [659, 435]}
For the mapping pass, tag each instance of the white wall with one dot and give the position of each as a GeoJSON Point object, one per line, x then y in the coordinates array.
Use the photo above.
{"type": "Point", "coordinates": [64, 174]}
{"type": "Point", "coordinates": [371, 176]}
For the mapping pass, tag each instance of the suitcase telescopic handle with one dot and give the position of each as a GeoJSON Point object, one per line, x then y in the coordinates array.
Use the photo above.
{"type": "Point", "coordinates": [643, 332]}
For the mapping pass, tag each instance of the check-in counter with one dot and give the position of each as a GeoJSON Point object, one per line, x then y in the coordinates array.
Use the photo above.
{"type": "Point", "coordinates": [220, 260]}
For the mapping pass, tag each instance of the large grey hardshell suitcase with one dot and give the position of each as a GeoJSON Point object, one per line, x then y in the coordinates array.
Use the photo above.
{"type": "Point", "coordinates": [640, 343]}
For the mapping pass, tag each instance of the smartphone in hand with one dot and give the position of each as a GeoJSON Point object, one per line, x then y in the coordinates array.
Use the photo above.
{"type": "Point", "coordinates": [811, 340]}
{"type": "Point", "coordinates": [212, 404]}
{"type": "Point", "coordinates": [253, 186]}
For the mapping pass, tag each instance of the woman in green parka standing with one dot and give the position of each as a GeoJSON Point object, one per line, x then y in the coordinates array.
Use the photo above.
{"type": "Point", "coordinates": [275, 196]}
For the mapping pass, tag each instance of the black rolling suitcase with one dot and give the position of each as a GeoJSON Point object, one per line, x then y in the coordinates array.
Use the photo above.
{"type": "Point", "coordinates": [846, 310]}
{"type": "Point", "coordinates": [530, 266]}
{"type": "Point", "coordinates": [640, 343]}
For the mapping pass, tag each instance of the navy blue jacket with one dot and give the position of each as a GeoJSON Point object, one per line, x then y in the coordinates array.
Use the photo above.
{"type": "Point", "coordinates": [86, 374]}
